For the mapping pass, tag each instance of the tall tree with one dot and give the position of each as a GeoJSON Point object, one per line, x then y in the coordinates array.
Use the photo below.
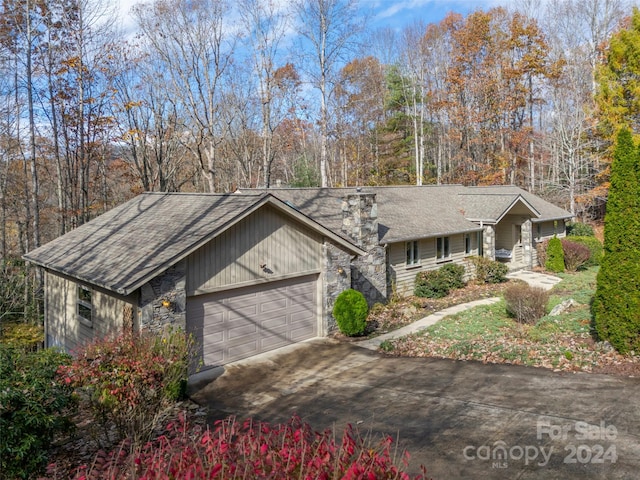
{"type": "Point", "coordinates": [330, 28]}
{"type": "Point", "coordinates": [616, 304]}
{"type": "Point", "coordinates": [266, 24]}
{"type": "Point", "coordinates": [195, 47]}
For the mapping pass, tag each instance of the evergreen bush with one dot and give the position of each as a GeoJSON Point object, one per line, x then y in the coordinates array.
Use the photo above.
{"type": "Point", "coordinates": [616, 302]}
{"type": "Point", "coordinates": [579, 229]}
{"type": "Point", "coordinates": [555, 256]}
{"type": "Point", "coordinates": [350, 312]}
{"type": "Point", "coordinates": [35, 406]}
{"type": "Point", "coordinates": [432, 284]}
{"type": "Point", "coordinates": [454, 275]}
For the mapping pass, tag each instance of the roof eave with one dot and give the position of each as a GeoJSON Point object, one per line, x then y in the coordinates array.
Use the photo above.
{"type": "Point", "coordinates": [262, 200]}
{"type": "Point", "coordinates": [433, 235]}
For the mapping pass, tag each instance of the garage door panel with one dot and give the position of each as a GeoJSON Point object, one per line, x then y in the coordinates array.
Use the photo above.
{"type": "Point", "coordinates": [241, 330]}
{"type": "Point", "coordinates": [274, 305]}
{"type": "Point", "coordinates": [238, 324]}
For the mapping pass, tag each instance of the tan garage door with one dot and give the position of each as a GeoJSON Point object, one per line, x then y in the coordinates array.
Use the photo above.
{"type": "Point", "coordinates": [237, 324]}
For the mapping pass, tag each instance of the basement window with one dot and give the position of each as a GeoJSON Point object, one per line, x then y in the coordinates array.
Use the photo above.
{"type": "Point", "coordinates": [85, 305]}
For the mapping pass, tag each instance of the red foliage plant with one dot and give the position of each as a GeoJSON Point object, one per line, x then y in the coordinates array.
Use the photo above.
{"type": "Point", "coordinates": [252, 450]}
{"type": "Point", "coordinates": [127, 381]}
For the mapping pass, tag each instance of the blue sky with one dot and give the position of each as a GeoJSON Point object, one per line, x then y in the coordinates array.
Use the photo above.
{"type": "Point", "coordinates": [400, 13]}
{"type": "Point", "coordinates": [396, 14]}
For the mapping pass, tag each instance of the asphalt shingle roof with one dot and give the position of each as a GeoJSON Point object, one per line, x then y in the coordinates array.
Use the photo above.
{"type": "Point", "coordinates": [141, 237]}
{"type": "Point", "coordinates": [487, 202]}
{"type": "Point", "coordinates": [404, 213]}
{"type": "Point", "coordinates": [130, 244]}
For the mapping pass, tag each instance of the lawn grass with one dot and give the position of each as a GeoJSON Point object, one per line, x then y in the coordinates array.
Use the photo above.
{"type": "Point", "coordinates": [488, 334]}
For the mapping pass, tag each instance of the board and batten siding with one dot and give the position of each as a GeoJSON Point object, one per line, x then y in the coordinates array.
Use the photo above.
{"type": "Point", "coordinates": [63, 326]}
{"type": "Point", "coordinates": [403, 276]}
{"type": "Point", "coordinates": [265, 246]}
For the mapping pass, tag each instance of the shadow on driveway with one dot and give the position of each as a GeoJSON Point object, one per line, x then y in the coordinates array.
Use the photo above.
{"type": "Point", "coordinates": [462, 420]}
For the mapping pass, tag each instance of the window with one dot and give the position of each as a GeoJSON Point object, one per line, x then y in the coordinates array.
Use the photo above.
{"type": "Point", "coordinates": [413, 257]}
{"type": "Point", "coordinates": [442, 248]}
{"type": "Point", "coordinates": [85, 305]}
{"type": "Point", "coordinates": [467, 244]}
{"type": "Point", "coordinates": [480, 244]}
{"type": "Point", "coordinates": [538, 230]}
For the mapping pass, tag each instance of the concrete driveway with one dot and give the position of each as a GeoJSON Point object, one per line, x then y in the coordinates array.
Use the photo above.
{"type": "Point", "coordinates": [462, 420]}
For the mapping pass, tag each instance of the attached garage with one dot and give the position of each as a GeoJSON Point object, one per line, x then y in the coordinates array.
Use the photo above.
{"type": "Point", "coordinates": [234, 324]}
{"type": "Point", "coordinates": [243, 273]}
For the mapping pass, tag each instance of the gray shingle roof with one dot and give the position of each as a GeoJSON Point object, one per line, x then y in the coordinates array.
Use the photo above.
{"type": "Point", "coordinates": [127, 246]}
{"type": "Point", "coordinates": [404, 213]}
{"type": "Point", "coordinates": [141, 237]}
{"type": "Point", "coordinates": [487, 203]}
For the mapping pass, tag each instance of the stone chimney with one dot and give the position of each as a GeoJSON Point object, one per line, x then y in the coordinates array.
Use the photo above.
{"type": "Point", "coordinates": [360, 219]}
{"type": "Point", "coordinates": [360, 223]}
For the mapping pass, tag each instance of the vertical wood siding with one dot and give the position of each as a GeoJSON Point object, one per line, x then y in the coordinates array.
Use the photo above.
{"type": "Point", "coordinates": [64, 329]}
{"type": "Point", "coordinates": [265, 238]}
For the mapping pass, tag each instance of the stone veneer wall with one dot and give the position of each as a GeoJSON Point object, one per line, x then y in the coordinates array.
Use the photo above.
{"type": "Point", "coordinates": [171, 286]}
{"type": "Point", "coordinates": [360, 223]}
{"type": "Point", "coordinates": [336, 274]}
{"type": "Point", "coordinates": [489, 242]}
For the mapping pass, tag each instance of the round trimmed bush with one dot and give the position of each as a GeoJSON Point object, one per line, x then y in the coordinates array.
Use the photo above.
{"type": "Point", "coordinates": [350, 311]}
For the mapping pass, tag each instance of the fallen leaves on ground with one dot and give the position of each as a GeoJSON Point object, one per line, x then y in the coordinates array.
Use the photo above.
{"type": "Point", "coordinates": [560, 352]}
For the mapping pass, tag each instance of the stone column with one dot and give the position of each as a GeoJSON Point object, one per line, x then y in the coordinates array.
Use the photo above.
{"type": "Point", "coordinates": [360, 223]}
{"type": "Point", "coordinates": [489, 242]}
{"type": "Point", "coordinates": [336, 273]}
{"type": "Point", "coordinates": [163, 300]}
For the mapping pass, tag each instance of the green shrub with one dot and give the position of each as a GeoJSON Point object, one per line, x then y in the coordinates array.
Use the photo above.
{"type": "Point", "coordinates": [129, 381]}
{"type": "Point", "coordinates": [525, 303]}
{"type": "Point", "coordinates": [35, 406]}
{"type": "Point", "coordinates": [555, 256]}
{"type": "Point", "coordinates": [575, 254]}
{"type": "Point", "coordinates": [454, 274]}
{"type": "Point", "coordinates": [489, 271]}
{"type": "Point", "coordinates": [579, 229]}
{"type": "Point", "coordinates": [432, 284]}
{"type": "Point", "coordinates": [350, 312]}
{"type": "Point", "coordinates": [616, 302]}
{"type": "Point", "coordinates": [595, 248]}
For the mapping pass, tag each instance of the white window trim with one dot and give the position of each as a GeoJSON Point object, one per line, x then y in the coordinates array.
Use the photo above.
{"type": "Point", "coordinates": [412, 253]}
{"type": "Point", "coordinates": [446, 248]}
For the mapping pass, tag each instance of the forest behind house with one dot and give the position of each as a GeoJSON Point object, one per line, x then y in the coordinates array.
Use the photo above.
{"type": "Point", "coordinates": [212, 96]}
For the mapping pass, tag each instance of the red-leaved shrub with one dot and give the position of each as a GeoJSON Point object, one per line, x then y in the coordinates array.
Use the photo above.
{"type": "Point", "coordinates": [252, 450]}
{"type": "Point", "coordinates": [128, 381]}
{"type": "Point", "coordinates": [575, 255]}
